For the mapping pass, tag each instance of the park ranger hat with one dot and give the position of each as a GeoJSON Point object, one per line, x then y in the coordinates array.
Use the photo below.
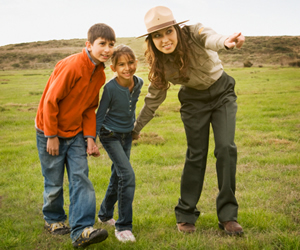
{"type": "Point", "coordinates": [158, 18]}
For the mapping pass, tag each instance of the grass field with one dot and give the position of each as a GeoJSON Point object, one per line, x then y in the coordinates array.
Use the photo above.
{"type": "Point", "coordinates": [268, 171]}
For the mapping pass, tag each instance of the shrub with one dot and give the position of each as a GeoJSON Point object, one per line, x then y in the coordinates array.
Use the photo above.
{"type": "Point", "coordinates": [16, 65]}
{"type": "Point", "coordinates": [282, 49]}
{"type": "Point", "coordinates": [248, 64]}
{"type": "Point", "coordinates": [295, 63]}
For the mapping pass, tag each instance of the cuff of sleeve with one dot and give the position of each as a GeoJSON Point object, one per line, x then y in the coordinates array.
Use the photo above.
{"type": "Point", "coordinates": [135, 132]}
{"type": "Point", "coordinates": [137, 128]}
{"type": "Point", "coordinates": [50, 136]}
{"type": "Point", "coordinates": [89, 136]}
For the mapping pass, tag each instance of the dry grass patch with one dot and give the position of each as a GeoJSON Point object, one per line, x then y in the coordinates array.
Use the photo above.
{"type": "Point", "coordinates": [149, 138]}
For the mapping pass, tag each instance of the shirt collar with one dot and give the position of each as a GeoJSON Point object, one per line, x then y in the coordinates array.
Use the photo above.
{"type": "Point", "coordinates": [89, 55]}
{"type": "Point", "coordinates": [168, 57]}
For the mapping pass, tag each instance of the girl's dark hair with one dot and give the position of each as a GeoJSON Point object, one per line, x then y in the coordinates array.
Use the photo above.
{"type": "Point", "coordinates": [101, 30]}
{"type": "Point", "coordinates": [155, 59]}
{"type": "Point", "coordinates": [119, 51]}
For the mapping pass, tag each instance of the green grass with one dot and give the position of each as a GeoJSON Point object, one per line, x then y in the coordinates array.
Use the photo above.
{"type": "Point", "coordinates": [268, 189]}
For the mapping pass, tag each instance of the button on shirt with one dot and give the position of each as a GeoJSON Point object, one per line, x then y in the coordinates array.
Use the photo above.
{"type": "Point", "coordinates": [116, 111]}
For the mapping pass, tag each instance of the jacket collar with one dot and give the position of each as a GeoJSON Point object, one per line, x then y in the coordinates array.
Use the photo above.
{"type": "Point", "coordinates": [91, 59]}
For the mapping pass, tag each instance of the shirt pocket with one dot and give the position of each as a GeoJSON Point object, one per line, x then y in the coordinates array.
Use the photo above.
{"type": "Point", "coordinates": [171, 73]}
{"type": "Point", "coordinates": [201, 60]}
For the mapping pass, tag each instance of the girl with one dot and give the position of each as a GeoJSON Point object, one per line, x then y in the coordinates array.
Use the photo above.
{"type": "Point", "coordinates": [115, 120]}
{"type": "Point", "coordinates": [188, 56]}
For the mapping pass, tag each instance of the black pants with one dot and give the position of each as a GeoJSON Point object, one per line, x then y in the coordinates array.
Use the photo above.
{"type": "Point", "coordinates": [200, 108]}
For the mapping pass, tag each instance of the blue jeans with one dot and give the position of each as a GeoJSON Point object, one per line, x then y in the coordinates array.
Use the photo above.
{"type": "Point", "coordinates": [72, 154]}
{"type": "Point", "coordinates": [122, 181]}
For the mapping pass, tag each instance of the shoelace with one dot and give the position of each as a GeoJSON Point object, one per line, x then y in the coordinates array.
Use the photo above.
{"type": "Point", "coordinates": [126, 234]}
{"type": "Point", "coordinates": [87, 232]}
{"type": "Point", "coordinates": [111, 222]}
{"type": "Point", "coordinates": [57, 225]}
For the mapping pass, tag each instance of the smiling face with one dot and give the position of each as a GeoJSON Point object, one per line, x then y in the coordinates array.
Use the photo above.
{"type": "Point", "coordinates": [101, 50]}
{"type": "Point", "coordinates": [165, 40]}
{"type": "Point", "coordinates": [125, 67]}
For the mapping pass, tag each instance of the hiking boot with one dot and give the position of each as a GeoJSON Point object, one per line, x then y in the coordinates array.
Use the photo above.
{"type": "Point", "coordinates": [124, 236]}
{"type": "Point", "coordinates": [57, 228]}
{"type": "Point", "coordinates": [231, 227]}
{"type": "Point", "coordinates": [90, 236]}
{"type": "Point", "coordinates": [110, 222]}
{"type": "Point", "coordinates": [186, 227]}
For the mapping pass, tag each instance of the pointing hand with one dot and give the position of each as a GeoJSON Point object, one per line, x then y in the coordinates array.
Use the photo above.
{"type": "Point", "coordinates": [235, 40]}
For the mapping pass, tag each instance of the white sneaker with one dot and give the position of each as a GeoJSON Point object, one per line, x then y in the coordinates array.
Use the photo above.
{"type": "Point", "coordinates": [124, 236]}
{"type": "Point", "coordinates": [110, 222]}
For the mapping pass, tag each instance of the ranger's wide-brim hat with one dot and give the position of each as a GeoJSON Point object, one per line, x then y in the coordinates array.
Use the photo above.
{"type": "Point", "coordinates": [158, 18]}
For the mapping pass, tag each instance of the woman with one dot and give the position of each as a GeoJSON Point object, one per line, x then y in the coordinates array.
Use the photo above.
{"type": "Point", "coordinates": [188, 56]}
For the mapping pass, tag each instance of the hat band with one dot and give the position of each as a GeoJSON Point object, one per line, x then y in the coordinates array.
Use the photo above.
{"type": "Point", "coordinates": [163, 25]}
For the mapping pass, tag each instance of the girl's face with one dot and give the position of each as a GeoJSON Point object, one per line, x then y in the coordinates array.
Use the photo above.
{"type": "Point", "coordinates": [125, 67]}
{"type": "Point", "coordinates": [165, 40]}
{"type": "Point", "coordinates": [101, 50]}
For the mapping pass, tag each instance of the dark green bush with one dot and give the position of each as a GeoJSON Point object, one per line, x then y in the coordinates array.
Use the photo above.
{"type": "Point", "coordinates": [295, 63]}
{"type": "Point", "coordinates": [282, 49]}
{"type": "Point", "coordinates": [16, 65]}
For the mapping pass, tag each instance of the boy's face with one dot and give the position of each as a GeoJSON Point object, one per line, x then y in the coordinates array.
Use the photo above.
{"type": "Point", "coordinates": [101, 50]}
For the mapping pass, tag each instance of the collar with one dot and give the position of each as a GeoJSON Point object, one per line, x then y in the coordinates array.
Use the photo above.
{"type": "Point", "coordinates": [168, 57]}
{"type": "Point", "coordinates": [89, 55]}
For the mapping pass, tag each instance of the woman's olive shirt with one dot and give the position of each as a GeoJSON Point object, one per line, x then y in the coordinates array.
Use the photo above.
{"type": "Point", "coordinates": [205, 68]}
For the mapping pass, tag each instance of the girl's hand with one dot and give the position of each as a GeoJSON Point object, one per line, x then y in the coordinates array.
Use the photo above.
{"type": "Point", "coordinates": [235, 40]}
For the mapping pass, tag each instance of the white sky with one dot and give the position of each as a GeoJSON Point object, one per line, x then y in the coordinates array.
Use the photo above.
{"type": "Point", "coordinates": [43, 20]}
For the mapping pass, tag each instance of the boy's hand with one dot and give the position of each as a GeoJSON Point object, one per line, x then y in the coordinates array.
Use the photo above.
{"type": "Point", "coordinates": [53, 146]}
{"type": "Point", "coordinates": [92, 148]}
{"type": "Point", "coordinates": [235, 40]}
{"type": "Point", "coordinates": [96, 152]}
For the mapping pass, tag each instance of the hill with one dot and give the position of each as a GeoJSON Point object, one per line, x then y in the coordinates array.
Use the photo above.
{"type": "Point", "coordinates": [260, 51]}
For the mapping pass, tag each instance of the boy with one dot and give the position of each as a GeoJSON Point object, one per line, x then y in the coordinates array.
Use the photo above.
{"type": "Point", "coordinates": [65, 118]}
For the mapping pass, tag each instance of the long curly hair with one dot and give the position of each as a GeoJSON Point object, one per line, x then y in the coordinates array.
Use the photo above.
{"type": "Point", "coordinates": [154, 57]}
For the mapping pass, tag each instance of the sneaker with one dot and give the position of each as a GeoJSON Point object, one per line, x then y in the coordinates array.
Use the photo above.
{"type": "Point", "coordinates": [186, 227]}
{"type": "Point", "coordinates": [110, 222]}
{"type": "Point", "coordinates": [90, 236]}
{"type": "Point", "coordinates": [124, 236]}
{"type": "Point", "coordinates": [57, 228]}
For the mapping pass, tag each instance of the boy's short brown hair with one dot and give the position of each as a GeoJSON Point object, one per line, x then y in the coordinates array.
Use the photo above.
{"type": "Point", "coordinates": [101, 30]}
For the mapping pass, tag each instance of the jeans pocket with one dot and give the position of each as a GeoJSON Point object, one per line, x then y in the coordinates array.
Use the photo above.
{"type": "Point", "coordinates": [106, 133]}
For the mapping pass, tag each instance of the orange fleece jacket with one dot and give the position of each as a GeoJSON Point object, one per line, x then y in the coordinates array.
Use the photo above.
{"type": "Point", "coordinates": [70, 98]}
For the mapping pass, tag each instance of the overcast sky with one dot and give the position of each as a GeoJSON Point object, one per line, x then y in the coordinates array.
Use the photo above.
{"type": "Point", "coordinates": [43, 20]}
